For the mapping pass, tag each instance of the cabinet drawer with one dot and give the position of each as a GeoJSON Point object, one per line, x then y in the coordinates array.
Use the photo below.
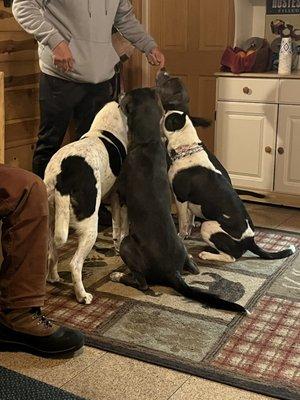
{"type": "Point", "coordinates": [248, 90]}
{"type": "Point", "coordinates": [289, 92]}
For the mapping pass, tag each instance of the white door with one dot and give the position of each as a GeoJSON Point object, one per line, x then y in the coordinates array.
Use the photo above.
{"type": "Point", "coordinates": [245, 143]}
{"type": "Point", "coordinates": [287, 172]}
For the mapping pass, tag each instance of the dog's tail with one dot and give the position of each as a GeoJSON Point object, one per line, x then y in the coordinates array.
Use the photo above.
{"type": "Point", "coordinates": [266, 255]}
{"type": "Point", "coordinates": [198, 121]}
{"type": "Point", "coordinates": [62, 218]}
{"type": "Point", "coordinates": [242, 192]}
{"type": "Point", "coordinates": [194, 293]}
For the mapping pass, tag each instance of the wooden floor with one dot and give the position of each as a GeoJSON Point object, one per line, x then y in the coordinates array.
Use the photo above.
{"type": "Point", "coordinates": [111, 377]}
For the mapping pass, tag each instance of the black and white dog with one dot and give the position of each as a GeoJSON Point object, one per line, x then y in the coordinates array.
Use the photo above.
{"type": "Point", "coordinates": [152, 251]}
{"type": "Point", "coordinates": [174, 96]}
{"type": "Point", "coordinates": [202, 189]}
{"type": "Point", "coordinates": [77, 177]}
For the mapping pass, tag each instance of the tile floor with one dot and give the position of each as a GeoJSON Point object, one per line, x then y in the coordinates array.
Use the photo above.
{"type": "Point", "coordinates": [99, 375]}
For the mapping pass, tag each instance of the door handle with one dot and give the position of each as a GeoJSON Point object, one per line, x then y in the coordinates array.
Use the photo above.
{"type": "Point", "coordinates": [280, 150]}
{"type": "Point", "coordinates": [268, 149]}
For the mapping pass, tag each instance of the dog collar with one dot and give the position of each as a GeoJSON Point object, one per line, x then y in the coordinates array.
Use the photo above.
{"type": "Point", "coordinates": [185, 151]}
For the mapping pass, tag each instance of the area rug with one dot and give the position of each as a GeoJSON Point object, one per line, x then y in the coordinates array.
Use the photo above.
{"type": "Point", "coordinates": [15, 386]}
{"type": "Point", "coordinates": [259, 352]}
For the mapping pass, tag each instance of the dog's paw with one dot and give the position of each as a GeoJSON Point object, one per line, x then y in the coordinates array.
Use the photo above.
{"type": "Point", "coordinates": [85, 298]}
{"type": "Point", "coordinates": [54, 278]}
{"type": "Point", "coordinates": [116, 276]}
{"type": "Point", "coordinates": [117, 244]}
{"type": "Point", "coordinates": [204, 255]}
{"type": "Point", "coordinates": [183, 235]}
{"type": "Point", "coordinates": [94, 255]}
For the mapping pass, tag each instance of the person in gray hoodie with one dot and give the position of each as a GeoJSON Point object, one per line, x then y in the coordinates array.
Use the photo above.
{"type": "Point", "coordinates": [77, 61]}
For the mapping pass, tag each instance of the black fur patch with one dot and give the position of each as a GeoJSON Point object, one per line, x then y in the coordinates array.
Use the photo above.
{"type": "Point", "coordinates": [115, 159]}
{"type": "Point", "coordinates": [217, 199]}
{"type": "Point", "coordinates": [175, 122]}
{"type": "Point", "coordinates": [116, 142]}
{"type": "Point", "coordinates": [77, 179]}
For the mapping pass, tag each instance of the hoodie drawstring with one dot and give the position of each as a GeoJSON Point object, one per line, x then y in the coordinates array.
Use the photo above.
{"type": "Point", "coordinates": [90, 9]}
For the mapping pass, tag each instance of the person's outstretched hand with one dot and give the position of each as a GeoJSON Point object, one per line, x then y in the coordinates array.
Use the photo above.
{"type": "Point", "coordinates": [62, 57]}
{"type": "Point", "coordinates": [156, 57]}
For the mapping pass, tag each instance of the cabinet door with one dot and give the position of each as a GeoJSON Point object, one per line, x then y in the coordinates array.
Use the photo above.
{"type": "Point", "coordinates": [245, 143]}
{"type": "Point", "coordinates": [287, 172]}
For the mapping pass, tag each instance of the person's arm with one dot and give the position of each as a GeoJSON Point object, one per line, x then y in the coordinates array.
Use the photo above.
{"type": "Point", "coordinates": [29, 16]}
{"type": "Point", "coordinates": [132, 30]}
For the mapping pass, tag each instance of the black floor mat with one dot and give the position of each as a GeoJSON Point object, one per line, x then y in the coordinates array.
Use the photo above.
{"type": "Point", "coordinates": [14, 386]}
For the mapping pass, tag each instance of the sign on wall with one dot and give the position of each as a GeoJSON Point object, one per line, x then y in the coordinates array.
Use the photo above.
{"type": "Point", "coordinates": [283, 6]}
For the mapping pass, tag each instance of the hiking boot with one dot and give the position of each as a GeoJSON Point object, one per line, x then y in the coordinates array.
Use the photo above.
{"type": "Point", "coordinates": [30, 331]}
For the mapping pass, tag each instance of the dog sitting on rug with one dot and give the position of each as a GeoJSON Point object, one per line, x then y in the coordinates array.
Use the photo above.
{"type": "Point", "coordinates": [200, 188]}
{"type": "Point", "coordinates": [152, 251]}
{"type": "Point", "coordinates": [77, 177]}
{"type": "Point", "coordinates": [174, 96]}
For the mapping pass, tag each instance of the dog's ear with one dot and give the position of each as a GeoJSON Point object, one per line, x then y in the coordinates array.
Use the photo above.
{"type": "Point", "coordinates": [126, 104]}
{"type": "Point", "coordinates": [200, 122]}
{"type": "Point", "coordinates": [175, 122]}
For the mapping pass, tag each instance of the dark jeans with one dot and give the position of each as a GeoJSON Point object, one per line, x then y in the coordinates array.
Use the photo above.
{"type": "Point", "coordinates": [60, 101]}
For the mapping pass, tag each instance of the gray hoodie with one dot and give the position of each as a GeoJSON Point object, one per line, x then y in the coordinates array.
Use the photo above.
{"type": "Point", "coordinates": [86, 25]}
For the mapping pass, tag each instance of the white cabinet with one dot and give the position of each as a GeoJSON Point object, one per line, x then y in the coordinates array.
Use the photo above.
{"type": "Point", "coordinates": [287, 172]}
{"type": "Point", "coordinates": [257, 136]}
{"type": "Point", "coordinates": [245, 143]}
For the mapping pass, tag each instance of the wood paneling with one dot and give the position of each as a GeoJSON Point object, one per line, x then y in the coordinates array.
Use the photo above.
{"type": "Point", "coordinates": [21, 103]}
{"type": "Point", "coordinates": [2, 117]}
{"type": "Point", "coordinates": [175, 39]}
{"type": "Point", "coordinates": [19, 63]}
{"type": "Point", "coordinates": [132, 69]}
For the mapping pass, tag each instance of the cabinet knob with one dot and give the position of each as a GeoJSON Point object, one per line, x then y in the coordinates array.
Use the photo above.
{"type": "Point", "coordinates": [280, 150]}
{"type": "Point", "coordinates": [247, 90]}
{"type": "Point", "coordinates": [268, 149]}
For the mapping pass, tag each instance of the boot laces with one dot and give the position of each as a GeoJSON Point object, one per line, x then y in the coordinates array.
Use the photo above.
{"type": "Point", "coordinates": [42, 319]}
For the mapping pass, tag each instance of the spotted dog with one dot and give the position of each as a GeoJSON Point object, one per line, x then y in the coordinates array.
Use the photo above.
{"type": "Point", "coordinates": [77, 177]}
{"type": "Point", "coordinates": [152, 251]}
{"type": "Point", "coordinates": [200, 188]}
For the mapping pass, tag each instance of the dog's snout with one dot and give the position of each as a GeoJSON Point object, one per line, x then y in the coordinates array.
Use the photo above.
{"type": "Point", "coordinates": [162, 76]}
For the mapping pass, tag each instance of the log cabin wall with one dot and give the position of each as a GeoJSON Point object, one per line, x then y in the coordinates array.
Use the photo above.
{"type": "Point", "coordinates": [19, 62]}
{"type": "Point", "coordinates": [2, 122]}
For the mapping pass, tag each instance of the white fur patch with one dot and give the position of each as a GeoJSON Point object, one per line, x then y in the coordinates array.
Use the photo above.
{"type": "Point", "coordinates": [187, 136]}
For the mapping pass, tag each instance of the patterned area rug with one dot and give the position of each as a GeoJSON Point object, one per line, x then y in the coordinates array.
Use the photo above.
{"type": "Point", "coordinates": [259, 352]}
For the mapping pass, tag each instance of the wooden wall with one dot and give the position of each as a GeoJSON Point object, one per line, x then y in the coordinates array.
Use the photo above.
{"type": "Point", "coordinates": [19, 62]}
{"type": "Point", "coordinates": [2, 122]}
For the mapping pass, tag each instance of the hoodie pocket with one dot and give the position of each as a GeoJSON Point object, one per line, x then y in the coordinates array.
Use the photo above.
{"type": "Point", "coordinates": [94, 61]}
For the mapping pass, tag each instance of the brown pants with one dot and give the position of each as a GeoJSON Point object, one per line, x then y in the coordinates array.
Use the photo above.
{"type": "Point", "coordinates": [24, 215]}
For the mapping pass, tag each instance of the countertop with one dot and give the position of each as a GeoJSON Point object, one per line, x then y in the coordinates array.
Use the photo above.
{"type": "Point", "coordinates": [270, 74]}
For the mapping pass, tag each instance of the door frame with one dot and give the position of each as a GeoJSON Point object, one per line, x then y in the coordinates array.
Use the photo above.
{"type": "Point", "coordinates": [2, 118]}
{"type": "Point", "coordinates": [146, 23]}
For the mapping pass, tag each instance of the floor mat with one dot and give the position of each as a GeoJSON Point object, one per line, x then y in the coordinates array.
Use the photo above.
{"type": "Point", "coordinates": [259, 352]}
{"type": "Point", "coordinates": [15, 386]}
